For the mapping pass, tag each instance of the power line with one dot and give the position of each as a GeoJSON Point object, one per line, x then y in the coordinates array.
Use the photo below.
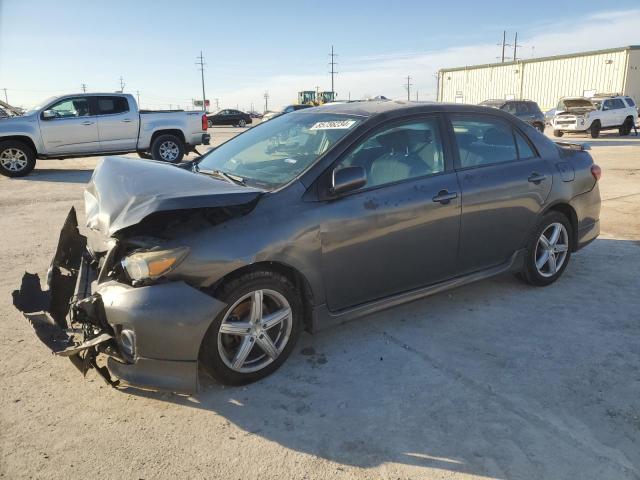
{"type": "Point", "coordinates": [333, 72]}
{"type": "Point", "coordinates": [408, 87]}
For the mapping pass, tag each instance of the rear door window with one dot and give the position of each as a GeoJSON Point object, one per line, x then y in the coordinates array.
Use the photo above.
{"type": "Point", "coordinates": [482, 140]}
{"type": "Point", "coordinates": [112, 105]}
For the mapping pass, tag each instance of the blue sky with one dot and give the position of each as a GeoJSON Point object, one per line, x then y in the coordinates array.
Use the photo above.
{"type": "Point", "coordinates": [51, 47]}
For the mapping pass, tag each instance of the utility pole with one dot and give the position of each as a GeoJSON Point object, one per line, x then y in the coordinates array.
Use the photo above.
{"type": "Point", "coordinates": [515, 48]}
{"type": "Point", "coordinates": [201, 63]}
{"type": "Point", "coordinates": [504, 43]}
{"type": "Point", "coordinates": [417, 96]}
{"type": "Point", "coordinates": [408, 87]}
{"type": "Point", "coordinates": [6, 99]}
{"type": "Point", "coordinates": [333, 72]}
{"type": "Point", "coordinates": [122, 84]}
{"type": "Point", "coordinates": [84, 87]}
{"type": "Point", "coordinates": [138, 97]}
{"type": "Point", "coordinates": [266, 101]}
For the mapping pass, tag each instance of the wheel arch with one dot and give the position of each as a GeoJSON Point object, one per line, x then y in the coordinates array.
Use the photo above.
{"type": "Point", "coordinates": [293, 274]}
{"type": "Point", "coordinates": [177, 133]}
{"type": "Point", "coordinates": [21, 138]}
{"type": "Point", "coordinates": [569, 212]}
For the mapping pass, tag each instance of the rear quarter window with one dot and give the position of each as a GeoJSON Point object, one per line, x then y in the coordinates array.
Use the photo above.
{"type": "Point", "coordinates": [630, 101]}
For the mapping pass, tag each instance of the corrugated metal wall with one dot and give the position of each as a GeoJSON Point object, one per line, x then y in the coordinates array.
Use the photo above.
{"type": "Point", "coordinates": [544, 81]}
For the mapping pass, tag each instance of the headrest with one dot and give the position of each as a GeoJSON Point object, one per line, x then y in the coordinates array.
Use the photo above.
{"type": "Point", "coordinates": [493, 136]}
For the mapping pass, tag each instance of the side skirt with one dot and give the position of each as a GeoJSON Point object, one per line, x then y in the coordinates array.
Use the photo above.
{"type": "Point", "coordinates": [323, 318]}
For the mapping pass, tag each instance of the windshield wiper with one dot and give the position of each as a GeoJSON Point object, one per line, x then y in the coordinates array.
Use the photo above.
{"type": "Point", "coordinates": [234, 179]}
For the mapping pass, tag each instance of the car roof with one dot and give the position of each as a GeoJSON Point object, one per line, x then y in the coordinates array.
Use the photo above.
{"type": "Point", "coordinates": [374, 108]}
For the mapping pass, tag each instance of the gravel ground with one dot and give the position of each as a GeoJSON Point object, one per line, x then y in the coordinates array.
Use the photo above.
{"type": "Point", "coordinates": [492, 380]}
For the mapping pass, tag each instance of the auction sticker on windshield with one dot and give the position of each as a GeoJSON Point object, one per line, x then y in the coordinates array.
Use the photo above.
{"type": "Point", "coordinates": [333, 125]}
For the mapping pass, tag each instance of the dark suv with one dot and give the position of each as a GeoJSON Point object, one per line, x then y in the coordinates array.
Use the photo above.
{"type": "Point", "coordinates": [526, 110]}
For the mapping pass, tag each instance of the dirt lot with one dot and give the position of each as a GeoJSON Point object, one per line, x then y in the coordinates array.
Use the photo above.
{"type": "Point", "coordinates": [492, 380]}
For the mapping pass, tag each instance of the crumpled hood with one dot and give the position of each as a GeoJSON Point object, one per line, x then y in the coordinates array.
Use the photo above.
{"type": "Point", "coordinates": [123, 191]}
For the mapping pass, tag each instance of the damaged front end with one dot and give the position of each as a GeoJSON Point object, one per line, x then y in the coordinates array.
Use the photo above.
{"type": "Point", "coordinates": [67, 317]}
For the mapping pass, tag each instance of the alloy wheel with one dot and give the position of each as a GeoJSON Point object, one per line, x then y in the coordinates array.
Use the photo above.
{"type": "Point", "coordinates": [169, 151]}
{"type": "Point", "coordinates": [13, 159]}
{"type": "Point", "coordinates": [552, 249]}
{"type": "Point", "coordinates": [255, 331]}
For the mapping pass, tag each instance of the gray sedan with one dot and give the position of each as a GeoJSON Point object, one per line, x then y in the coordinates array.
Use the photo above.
{"type": "Point", "coordinates": [316, 217]}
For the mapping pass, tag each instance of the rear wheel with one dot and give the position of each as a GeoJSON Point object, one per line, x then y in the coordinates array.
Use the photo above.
{"type": "Point", "coordinates": [209, 124]}
{"type": "Point", "coordinates": [595, 129]}
{"type": "Point", "coordinates": [167, 148]}
{"type": "Point", "coordinates": [17, 159]}
{"type": "Point", "coordinates": [548, 250]}
{"type": "Point", "coordinates": [558, 133]}
{"type": "Point", "coordinates": [626, 127]}
{"type": "Point", "coordinates": [257, 331]}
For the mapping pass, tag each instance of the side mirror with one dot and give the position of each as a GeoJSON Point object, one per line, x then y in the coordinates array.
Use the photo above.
{"type": "Point", "coordinates": [49, 114]}
{"type": "Point", "coordinates": [348, 179]}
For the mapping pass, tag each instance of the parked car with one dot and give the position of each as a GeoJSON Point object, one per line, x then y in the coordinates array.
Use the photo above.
{"type": "Point", "coordinates": [96, 124]}
{"type": "Point", "coordinates": [287, 109]}
{"type": "Point", "coordinates": [313, 218]}
{"type": "Point", "coordinates": [592, 115]}
{"type": "Point", "coordinates": [526, 110]}
{"type": "Point", "coordinates": [235, 118]}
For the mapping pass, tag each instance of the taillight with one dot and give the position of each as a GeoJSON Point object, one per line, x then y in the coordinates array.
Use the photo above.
{"type": "Point", "coordinates": [205, 123]}
{"type": "Point", "coordinates": [596, 171]}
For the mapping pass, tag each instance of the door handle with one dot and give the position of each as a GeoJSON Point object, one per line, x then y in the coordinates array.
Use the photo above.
{"type": "Point", "coordinates": [444, 196]}
{"type": "Point", "coordinates": [536, 178]}
{"type": "Point", "coordinates": [126, 120]}
{"type": "Point", "coordinates": [88, 123]}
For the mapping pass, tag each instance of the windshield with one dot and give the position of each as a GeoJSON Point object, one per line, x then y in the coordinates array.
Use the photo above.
{"type": "Point", "coordinates": [274, 153]}
{"type": "Point", "coordinates": [40, 105]}
{"type": "Point", "coordinates": [575, 103]}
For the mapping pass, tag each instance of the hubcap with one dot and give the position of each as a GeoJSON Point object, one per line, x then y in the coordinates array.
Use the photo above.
{"type": "Point", "coordinates": [169, 151]}
{"type": "Point", "coordinates": [255, 331]}
{"type": "Point", "coordinates": [210, 124]}
{"type": "Point", "coordinates": [552, 249]}
{"type": "Point", "coordinates": [13, 159]}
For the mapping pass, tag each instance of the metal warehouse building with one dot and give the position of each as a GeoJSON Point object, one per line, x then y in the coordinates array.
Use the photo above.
{"type": "Point", "coordinates": [546, 79]}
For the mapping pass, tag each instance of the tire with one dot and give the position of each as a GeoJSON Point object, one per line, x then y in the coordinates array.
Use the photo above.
{"type": "Point", "coordinates": [167, 148]}
{"type": "Point", "coordinates": [540, 127]}
{"type": "Point", "coordinates": [626, 127]}
{"type": "Point", "coordinates": [558, 133]}
{"type": "Point", "coordinates": [209, 124]}
{"type": "Point", "coordinates": [17, 159]}
{"type": "Point", "coordinates": [594, 131]}
{"type": "Point", "coordinates": [536, 272]}
{"type": "Point", "coordinates": [242, 123]}
{"type": "Point", "coordinates": [145, 155]}
{"type": "Point", "coordinates": [218, 351]}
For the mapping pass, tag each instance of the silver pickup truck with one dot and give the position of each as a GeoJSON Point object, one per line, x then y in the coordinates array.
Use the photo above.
{"type": "Point", "coordinates": [96, 124]}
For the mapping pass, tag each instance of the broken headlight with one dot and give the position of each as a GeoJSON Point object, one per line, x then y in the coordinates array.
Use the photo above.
{"type": "Point", "coordinates": [152, 264]}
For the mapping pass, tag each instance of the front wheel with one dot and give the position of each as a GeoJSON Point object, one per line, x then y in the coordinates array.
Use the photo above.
{"type": "Point", "coordinates": [548, 250]}
{"type": "Point", "coordinates": [167, 148]}
{"type": "Point", "coordinates": [209, 124]}
{"type": "Point", "coordinates": [257, 331]}
{"type": "Point", "coordinates": [595, 130]}
{"type": "Point", "coordinates": [242, 123]}
{"type": "Point", "coordinates": [17, 159]}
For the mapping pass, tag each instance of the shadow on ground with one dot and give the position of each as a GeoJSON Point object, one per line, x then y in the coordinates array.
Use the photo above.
{"type": "Point", "coordinates": [63, 175]}
{"type": "Point", "coordinates": [495, 379]}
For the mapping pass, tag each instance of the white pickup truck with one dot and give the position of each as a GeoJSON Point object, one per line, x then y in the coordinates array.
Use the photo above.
{"type": "Point", "coordinates": [96, 124]}
{"type": "Point", "coordinates": [591, 115]}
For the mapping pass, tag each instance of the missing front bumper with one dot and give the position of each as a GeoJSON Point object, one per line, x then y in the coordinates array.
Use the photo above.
{"type": "Point", "coordinates": [66, 317]}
